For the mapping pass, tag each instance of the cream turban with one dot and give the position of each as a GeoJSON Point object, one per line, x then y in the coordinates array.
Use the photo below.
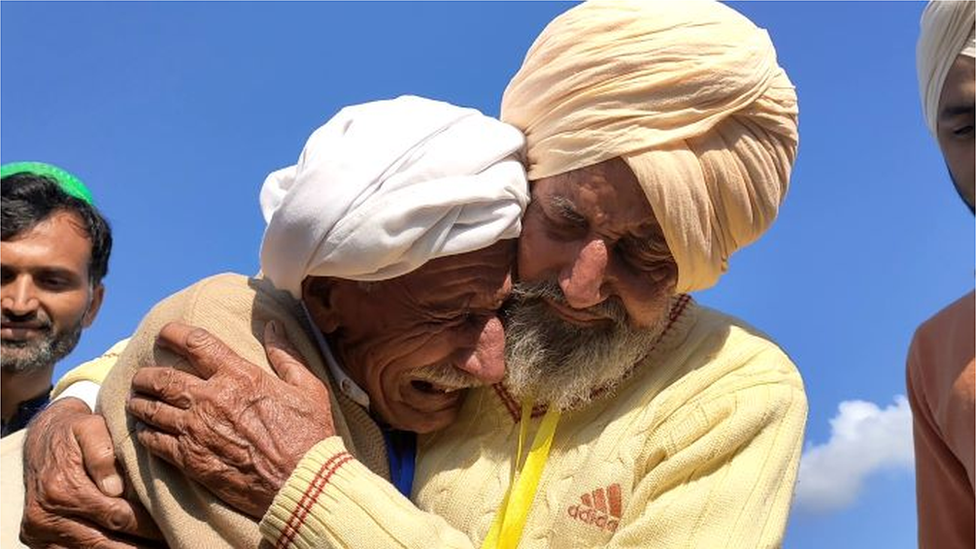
{"type": "Point", "coordinates": [689, 94]}
{"type": "Point", "coordinates": [386, 186]}
{"type": "Point", "coordinates": [947, 32]}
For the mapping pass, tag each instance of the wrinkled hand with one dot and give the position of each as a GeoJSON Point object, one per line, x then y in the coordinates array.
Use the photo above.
{"type": "Point", "coordinates": [68, 456]}
{"type": "Point", "coordinates": [233, 427]}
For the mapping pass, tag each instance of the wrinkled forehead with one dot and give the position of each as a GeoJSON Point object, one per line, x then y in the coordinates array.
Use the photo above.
{"type": "Point", "coordinates": [495, 260]}
{"type": "Point", "coordinates": [959, 88]}
{"type": "Point", "coordinates": [606, 192]}
{"type": "Point", "coordinates": [478, 278]}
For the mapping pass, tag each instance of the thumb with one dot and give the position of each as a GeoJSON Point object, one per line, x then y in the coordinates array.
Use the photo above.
{"type": "Point", "coordinates": [98, 454]}
{"type": "Point", "coordinates": [284, 358]}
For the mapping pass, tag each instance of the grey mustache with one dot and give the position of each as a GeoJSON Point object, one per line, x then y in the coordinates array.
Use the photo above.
{"type": "Point", "coordinates": [524, 292]}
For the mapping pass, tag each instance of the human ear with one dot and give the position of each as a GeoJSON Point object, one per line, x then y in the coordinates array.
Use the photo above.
{"type": "Point", "coordinates": [318, 295]}
{"type": "Point", "coordinates": [98, 294]}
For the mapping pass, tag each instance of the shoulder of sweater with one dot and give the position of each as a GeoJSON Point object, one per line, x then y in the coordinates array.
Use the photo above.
{"type": "Point", "coordinates": [720, 345]}
{"type": "Point", "coordinates": [235, 282]}
{"type": "Point", "coordinates": [220, 290]}
{"type": "Point", "coordinates": [712, 322]}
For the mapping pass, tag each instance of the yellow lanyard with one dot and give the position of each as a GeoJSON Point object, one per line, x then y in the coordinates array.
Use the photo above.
{"type": "Point", "coordinates": [510, 519]}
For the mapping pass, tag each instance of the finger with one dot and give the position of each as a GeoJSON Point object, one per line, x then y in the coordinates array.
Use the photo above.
{"type": "Point", "coordinates": [157, 414]}
{"type": "Point", "coordinates": [134, 521]}
{"type": "Point", "coordinates": [71, 532]}
{"type": "Point", "coordinates": [125, 518]}
{"type": "Point", "coordinates": [160, 444]}
{"type": "Point", "coordinates": [98, 454]}
{"type": "Point", "coordinates": [285, 359]}
{"type": "Point", "coordinates": [167, 384]}
{"type": "Point", "coordinates": [206, 354]}
{"type": "Point", "coordinates": [85, 504]}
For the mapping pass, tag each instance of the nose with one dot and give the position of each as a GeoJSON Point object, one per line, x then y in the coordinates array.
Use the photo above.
{"type": "Point", "coordinates": [584, 279]}
{"type": "Point", "coordinates": [487, 362]}
{"type": "Point", "coordinates": [18, 296]}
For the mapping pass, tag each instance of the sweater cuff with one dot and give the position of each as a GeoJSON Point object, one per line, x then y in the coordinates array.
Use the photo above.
{"type": "Point", "coordinates": [333, 500]}
{"type": "Point", "coordinates": [284, 524]}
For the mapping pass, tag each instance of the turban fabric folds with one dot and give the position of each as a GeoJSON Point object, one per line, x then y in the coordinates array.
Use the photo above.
{"type": "Point", "coordinates": [946, 32]}
{"type": "Point", "coordinates": [689, 94]}
{"type": "Point", "coordinates": [384, 187]}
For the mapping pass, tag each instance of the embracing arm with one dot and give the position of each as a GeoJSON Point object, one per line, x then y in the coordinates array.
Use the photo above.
{"type": "Point", "coordinates": [239, 431]}
{"type": "Point", "coordinates": [73, 487]}
{"type": "Point", "coordinates": [226, 423]}
{"type": "Point", "coordinates": [332, 500]}
{"type": "Point", "coordinates": [234, 309]}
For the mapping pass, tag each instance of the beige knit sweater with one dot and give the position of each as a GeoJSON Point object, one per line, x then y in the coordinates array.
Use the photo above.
{"type": "Point", "coordinates": [698, 448]}
{"type": "Point", "coordinates": [235, 309]}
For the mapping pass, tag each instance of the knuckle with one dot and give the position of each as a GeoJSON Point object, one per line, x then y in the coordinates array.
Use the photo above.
{"type": "Point", "coordinates": [150, 409]}
{"type": "Point", "coordinates": [146, 437]}
{"type": "Point", "coordinates": [178, 455]}
{"type": "Point", "coordinates": [99, 454]}
{"type": "Point", "coordinates": [200, 339]}
{"type": "Point", "coordinates": [52, 496]}
{"type": "Point", "coordinates": [161, 380]}
{"type": "Point", "coordinates": [93, 426]}
{"type": "Point", "coordinates": [118, 518]}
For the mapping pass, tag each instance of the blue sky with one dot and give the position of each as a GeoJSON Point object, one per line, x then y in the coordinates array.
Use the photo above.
{"type": "Point", "coordinates": [174, 113]}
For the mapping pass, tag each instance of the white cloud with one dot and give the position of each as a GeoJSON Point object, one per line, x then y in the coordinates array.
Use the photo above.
{"type": "Point", "coordinates": [863, 439]}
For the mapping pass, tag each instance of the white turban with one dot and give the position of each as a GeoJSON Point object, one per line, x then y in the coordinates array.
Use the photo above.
{"type": "Point", "coordinates": [946, 32]}
{"type": "Point", "coordinates": [689, 94]}
{"type": "Point", "coordinates": [386, 186]}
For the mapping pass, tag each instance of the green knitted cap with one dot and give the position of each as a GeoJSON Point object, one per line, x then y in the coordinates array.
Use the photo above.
{"type": "Point", "coordinates": [68, 183]}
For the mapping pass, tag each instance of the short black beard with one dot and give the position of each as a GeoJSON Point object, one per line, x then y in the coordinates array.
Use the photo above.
{"type": "Point", "coordinates": [955, 184]}
{"type": "Point", "coordinates": [37, 355]}
{"type": "Point", "coordinates": [560, 363]}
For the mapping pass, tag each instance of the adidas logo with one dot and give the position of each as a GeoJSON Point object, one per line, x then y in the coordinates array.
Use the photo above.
{"type": "Point", "coordinates": [601, 508]}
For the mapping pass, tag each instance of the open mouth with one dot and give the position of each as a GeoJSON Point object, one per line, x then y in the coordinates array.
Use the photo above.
{"type": "Point", "coordinates": [431, 388]}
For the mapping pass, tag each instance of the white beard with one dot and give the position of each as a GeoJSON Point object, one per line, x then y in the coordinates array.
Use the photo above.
{"type": "Point", "coordinates": [563, 364]}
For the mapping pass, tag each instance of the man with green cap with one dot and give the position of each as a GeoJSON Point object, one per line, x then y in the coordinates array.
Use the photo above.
{"type": "Point", "coordinates": [53, 255]}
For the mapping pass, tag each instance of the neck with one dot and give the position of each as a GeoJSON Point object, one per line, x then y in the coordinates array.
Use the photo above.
{"type": "Point", "coordinates": [345, 382]}
{"type": "Point", "coordinates": [16, 388]}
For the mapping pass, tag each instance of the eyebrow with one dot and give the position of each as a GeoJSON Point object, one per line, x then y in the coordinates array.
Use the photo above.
{"type": "Point", "coordinates": [566, 209]}
{"type": "Point", "coordinates": [955, 110]}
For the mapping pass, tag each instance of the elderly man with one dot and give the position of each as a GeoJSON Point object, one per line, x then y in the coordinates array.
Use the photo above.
{"type": "Point", "coordinates": [660, 139]}
{"type": "Point", "coordinates": [655, 421]}
{"type": "Point", "coordinates": [941, 370]}
{"type": "Point", "coordinates": [389, 247]}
